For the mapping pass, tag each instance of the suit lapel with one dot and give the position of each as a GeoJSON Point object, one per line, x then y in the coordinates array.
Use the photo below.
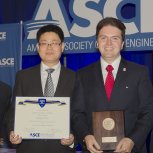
{"type": "Point", "coordinates": [99, 82]}
{"type": "Point", "coordinates": [120, 79]}
{"type": "Point", "coordinates": [61, 82]}
{"type": "Point", "coordinates": [38, 86]}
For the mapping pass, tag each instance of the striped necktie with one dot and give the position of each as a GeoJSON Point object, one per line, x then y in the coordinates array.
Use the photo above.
{"type": "Point", "coordinates": [49, 86]}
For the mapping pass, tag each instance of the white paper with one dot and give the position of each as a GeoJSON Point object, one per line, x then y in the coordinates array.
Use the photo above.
{"type": "Point", "coordinates": [36, 120]}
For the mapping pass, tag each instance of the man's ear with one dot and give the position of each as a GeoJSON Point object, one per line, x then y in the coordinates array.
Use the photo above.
{"type": "Point", "coordinates": [62, 47]}
{"type": "Point", "coordinates": [122, 45]}
{"type": "Point", "coordinates": [97, 44]}
{"type": "Point", "coordinates": [37, 46]}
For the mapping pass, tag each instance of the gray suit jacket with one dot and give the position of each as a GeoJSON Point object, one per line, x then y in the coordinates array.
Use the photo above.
{"type": "Point", "coordinates": [132, 93]}
{"type": "Point", "coordinates": [28, 83]}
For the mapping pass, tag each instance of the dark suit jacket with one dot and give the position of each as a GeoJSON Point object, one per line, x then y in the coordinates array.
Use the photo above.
{"type": "Point", "coordinates": [5, 98]}
{"type": "Point", "coordinates": [151, 142]}
{"type": "Point", "coordinates": [28, 83]}
{"type": "Point", "coordinates": [132, 93]}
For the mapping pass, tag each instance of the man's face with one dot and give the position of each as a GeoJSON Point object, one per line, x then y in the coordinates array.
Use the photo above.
{"type": "Point", "coordinates": [50, 48]}
{"type": "Point", "coordinates": [109, 43]}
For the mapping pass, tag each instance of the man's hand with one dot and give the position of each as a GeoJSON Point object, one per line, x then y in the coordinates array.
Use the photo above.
{"type": "Point", "coordinates": [1, 141]}
{"type": "Point", "coordinates": [125, 146]}
{"type": "Point", "coordinates": [14, 138]}
{"type": "Point", "coordinates": [69, 141]}
{"type": "Point", "coordinates": [92, 144]}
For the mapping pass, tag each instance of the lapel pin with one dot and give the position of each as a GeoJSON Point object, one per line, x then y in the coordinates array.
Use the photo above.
{"type": "Point", "coordinates": [124, 69]}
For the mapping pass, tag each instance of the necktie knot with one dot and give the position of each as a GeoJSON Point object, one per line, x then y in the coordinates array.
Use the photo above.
{"type": "Point", "coordinates": [109, 68]}
{"type": "Point", "coordinates": [49, 71]}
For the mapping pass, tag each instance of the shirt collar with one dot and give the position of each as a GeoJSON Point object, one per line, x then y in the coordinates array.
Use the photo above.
{"type": "Point", "coordinates": [115, 64]}
{"type": "Point", "coordinates": [55, 67]}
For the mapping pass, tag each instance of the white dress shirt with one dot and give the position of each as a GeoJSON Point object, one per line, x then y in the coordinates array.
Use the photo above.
{"type": "Point", "coordinates": [115, 65]}
{"type": "Point", "coordinates": [55, 75]}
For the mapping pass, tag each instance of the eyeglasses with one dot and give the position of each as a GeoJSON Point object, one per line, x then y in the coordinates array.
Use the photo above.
{"type": "Point", "coordinates": [52, 44]}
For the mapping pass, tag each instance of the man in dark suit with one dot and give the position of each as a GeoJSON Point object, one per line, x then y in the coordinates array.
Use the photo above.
{"type": "Point", "coordinates": [5, 98]}
{"type": "Point", "coordinates": [31, 83]}
{"type": "Point", "coordinates": [132, 92]}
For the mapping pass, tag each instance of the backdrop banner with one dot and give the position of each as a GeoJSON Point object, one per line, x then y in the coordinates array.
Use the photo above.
{"type": "Point", "coordinates": [10, 51]}
{"type": "Point", "coordinates": [78, 19]}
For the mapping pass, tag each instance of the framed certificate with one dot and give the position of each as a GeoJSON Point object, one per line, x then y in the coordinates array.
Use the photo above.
{"type": "Point", "coordinates": [42, 117]}
{"type": "Point", "coordinates": [108, 128]}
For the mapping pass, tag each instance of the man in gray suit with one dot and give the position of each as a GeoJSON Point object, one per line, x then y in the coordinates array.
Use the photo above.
{"type": "Point", "coordinates": [132, 92]}
{"type": "Point", "coordinates": [31, 83]}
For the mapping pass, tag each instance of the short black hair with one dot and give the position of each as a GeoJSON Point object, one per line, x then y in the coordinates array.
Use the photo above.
{"type": "Point", "coordinates": [113, 22]}
{"type": "Point", "coordinates": [50, 28]}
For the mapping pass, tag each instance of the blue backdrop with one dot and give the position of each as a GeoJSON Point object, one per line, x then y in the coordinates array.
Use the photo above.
{"type": "Point", "coordinates": [17, 10]}
{"type": "Point", "coordinates": [10, 52]}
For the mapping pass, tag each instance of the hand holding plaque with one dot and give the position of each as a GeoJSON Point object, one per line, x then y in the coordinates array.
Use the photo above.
{"type": "Point", "coordinates": [108, 128]}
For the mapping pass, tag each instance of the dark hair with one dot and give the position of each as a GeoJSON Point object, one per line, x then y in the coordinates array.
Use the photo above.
{"type": "Point", "coordinates": [50, 28]}
{"type": "Point", "coordinates": [113, 22]}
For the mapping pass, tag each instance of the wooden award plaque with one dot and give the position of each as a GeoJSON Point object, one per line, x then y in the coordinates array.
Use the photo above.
{"type": "Point", "coordinates": [108, 128]}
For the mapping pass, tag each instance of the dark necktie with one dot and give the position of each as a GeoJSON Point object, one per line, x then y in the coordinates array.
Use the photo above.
{"type": "Point", "coordinates": [49, 87]}
{"type": "Point", "coordinates": [109, 83]}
